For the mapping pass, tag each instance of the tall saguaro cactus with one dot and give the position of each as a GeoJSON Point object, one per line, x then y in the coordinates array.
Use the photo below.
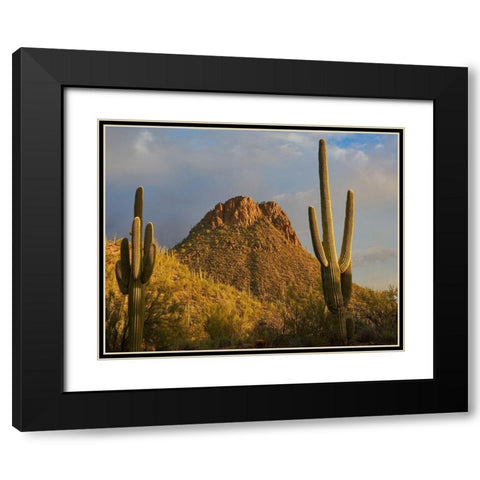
{"type": "Point", "coordinates": [336, 273]}
{"type": "Point", "coordinates": [133, 272]}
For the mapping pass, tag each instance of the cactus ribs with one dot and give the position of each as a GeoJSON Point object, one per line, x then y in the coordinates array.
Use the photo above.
{"type": "Point", "coordinates": [336, 274]}
{"type": "Point", "coordinates": [133, 275]}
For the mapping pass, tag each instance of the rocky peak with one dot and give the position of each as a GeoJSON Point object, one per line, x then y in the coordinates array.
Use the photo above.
{"type": "Point", "coordinates": [243, 212]}
{"type": "Point", "coordinates": [238, 211]}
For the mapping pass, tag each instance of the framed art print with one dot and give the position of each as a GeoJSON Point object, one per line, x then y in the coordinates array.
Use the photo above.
{"type": "Point", "coordinates": [209, 239]}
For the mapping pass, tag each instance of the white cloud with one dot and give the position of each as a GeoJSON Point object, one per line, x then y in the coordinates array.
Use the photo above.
{"type": "Point", "coordinates": [373, 178]}
{"type": "Point", "coordinates": [350, 157]}
{"type": "Point", "coordinates": [368, 256]}
{"type": "Point", "coordinates": [292, 137]}
{"type": "Point", "coordinates": [144, 142]}
{"type": "Point", "coordinates": [290, 149]}
{"type": "Point", "coordinates": [298, 197]}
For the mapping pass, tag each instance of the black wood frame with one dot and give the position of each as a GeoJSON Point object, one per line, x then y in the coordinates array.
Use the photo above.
{"type": "Point", "coordinates": [39, 78]}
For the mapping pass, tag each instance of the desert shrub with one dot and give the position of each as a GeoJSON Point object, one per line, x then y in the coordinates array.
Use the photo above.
{"type": "Point", "coordinates": [365, 335]}
{"type": "Point", "coordinates": [305, 319]}
{"type": "Point", "coordinates": [166, 326]}
{"type": "Point", "coordinates": [225, 327]}
{"type": "Point", "coordinates": [376, 316]}
{"type": "Point", "coordinates": [116, 321]}
{"type": "Point", "coordinates": [116, 318]}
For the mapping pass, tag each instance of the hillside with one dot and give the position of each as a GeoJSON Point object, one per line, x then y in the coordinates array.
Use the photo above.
{"type": "Point", "coordinates": [185, 310]}
{"type": "Point", "coordinates": [252, 247]}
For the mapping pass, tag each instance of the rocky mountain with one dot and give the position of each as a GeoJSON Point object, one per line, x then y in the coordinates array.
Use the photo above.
{"type": "Point", "coordinates": [244, 212]}
{"type": "Point", "coordinates": [251, 246]}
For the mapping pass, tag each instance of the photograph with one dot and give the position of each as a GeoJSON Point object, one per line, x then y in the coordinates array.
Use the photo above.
{"type": "Point", "coordinates": [226, 238]}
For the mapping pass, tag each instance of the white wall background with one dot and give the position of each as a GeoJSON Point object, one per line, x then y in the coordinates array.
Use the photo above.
{"type": "Point", "coordinates": [433, 446]}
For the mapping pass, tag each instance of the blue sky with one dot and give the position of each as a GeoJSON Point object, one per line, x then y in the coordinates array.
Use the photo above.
{"type": "Point", "coordinates": [187, 171]}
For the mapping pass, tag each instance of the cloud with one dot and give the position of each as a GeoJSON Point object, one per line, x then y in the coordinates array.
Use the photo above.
{"type": "Point", "coordinates": [306, 139]}
{"type": "Point", "coordinates": [368, 256]}
{"type": "Point", "coordinates": [372, 174]}
{"type": "Point", "coordinates": [350, 157]}
{"type": "Point", "coordinates": [133, 154]}
{"type": "Point", "coordinates": [153, 152]}
{"type": "Point", "coordinates": [297, 197]}
{"type": "Point", "coordinates": [290, 149]}
{"type": "Point", "coordinates": [144, 142]}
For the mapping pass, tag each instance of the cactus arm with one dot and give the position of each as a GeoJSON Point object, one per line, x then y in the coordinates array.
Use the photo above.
{"type": "Point", "coordinates": [120, 280]}
{"type": "Point", "coordinates": [317, 243]}
{"type": "Point", "coordinates": [148, 238]}
{"type": "Point", "coordinates": [136, 248]}
{"type": "Point", "coordinates": [149, 253]}
{"type": "Point", "coordinates": [148, 263]}
{"type": "Point", "coordinates": [326, 205]}
{"type": "Point", "coordinates": [346, 283]}
{"type": "Point", "coordinates": [122, 267]}
{"type": "Point", "coordinates": [125, 261]}
{"type": "Point", "coordinates": [346, 252]}
{"type": "Point", "coordinates": [138, 205]}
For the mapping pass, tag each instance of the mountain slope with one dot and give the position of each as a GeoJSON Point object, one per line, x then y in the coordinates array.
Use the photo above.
{"type": "Point", "coordinates": [185, 310]}
{"type": "Point", "coordinates": [252, 247]}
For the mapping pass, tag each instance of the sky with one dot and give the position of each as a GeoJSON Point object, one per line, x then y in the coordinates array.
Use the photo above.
{"type": "Point", "coordinates": [185, 172]}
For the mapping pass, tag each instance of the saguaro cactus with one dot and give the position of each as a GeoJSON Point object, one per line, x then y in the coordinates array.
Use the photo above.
{"type": "Point", "coordinates": [132, 274]}
{"type": "Point", "coordinates": [336, 274]}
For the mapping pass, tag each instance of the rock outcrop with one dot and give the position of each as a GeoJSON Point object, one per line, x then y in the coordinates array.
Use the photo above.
{"type": "Point", "coordinates": [244, 212]}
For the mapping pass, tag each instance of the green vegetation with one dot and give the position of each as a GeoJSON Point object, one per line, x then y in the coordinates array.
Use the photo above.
{"type": "Point", "coordinates": [375, 313]}
{"type": "Point", "coordinates": [336, 274]}
{"type": "Point", "coordinates": [188, 310]}
{"type": "Point", "coordinates": [185, 310]}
